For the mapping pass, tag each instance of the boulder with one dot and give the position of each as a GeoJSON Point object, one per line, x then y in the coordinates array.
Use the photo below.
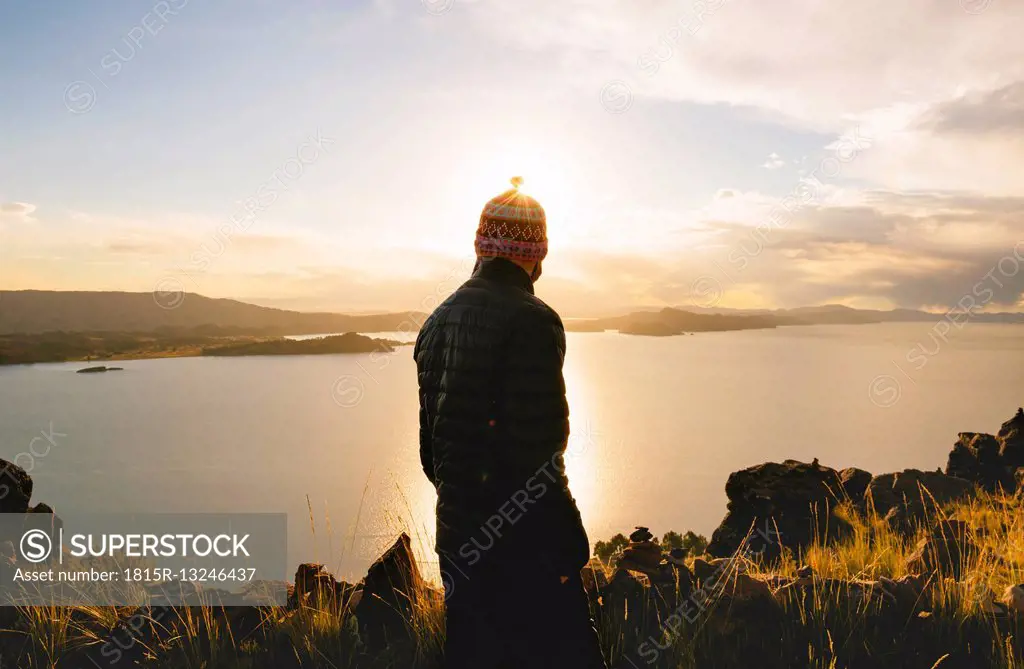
{"type": "Point", "coordinates": [985, 601]}
{"type": "Point", "coordinates": [779, 504]}
{"type": "Point", "coordinates": [714, 574]}
{"type": "Point", "coordinates": [907, 591]}
{"type": "Point", "coordinates": [43, 517]}
{"type": "Point", "coordinates": [642, 556]}
{"type": "Point", "coordinates": [677, 557]}
{"type": "Point", "coordinates": [625, 592]}
{"type": "Point", "coordinates": [1011, 439]}
{"type": "Point", "coordinates": [809, 592]}
{"type": "Point", "coordinates": [1013, 598]}
{"type": "Point", "coordinates": [632, 612]}
{"type": "Point", "coordinates": [745, 617]}
{"type": "Point", "coordinates": [947, 551]}
{"type": "Point", "coordinates": [855, 483]}
{"type": "Point", "coordinates": [316, 588]}
{"type": "Point", "coordinates": [990, 462]}
{"type": "Point", "coordinates": [389, 595]}
{"type": "Point", "coordinates": [744, 586]}
{"type": "Point", "coordinates": [702, 569]}
{"type": "Point", "coordinates": [976, 457]}
{"type": "Point", "coordinates": [15, 488]}
{"type": "Point", "coordinates": [907, 498]}
{"type": "Point", "coordinates": [684, 579]}
{"type": "Point", "coordinates": [262, 593]}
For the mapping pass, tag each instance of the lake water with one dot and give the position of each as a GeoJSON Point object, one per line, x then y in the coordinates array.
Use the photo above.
{"type": "Point", "coordinates": [658, 424]}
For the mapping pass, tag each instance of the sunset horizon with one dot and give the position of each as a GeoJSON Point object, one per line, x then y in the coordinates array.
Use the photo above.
{"type": "Point", "coordinates": [471, 334]}
{"type": "Point", "coordinates": [667, 170]}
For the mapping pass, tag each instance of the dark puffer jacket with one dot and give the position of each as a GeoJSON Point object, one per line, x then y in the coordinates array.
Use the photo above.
{"type": "Point", "coordinates": [494, 422]}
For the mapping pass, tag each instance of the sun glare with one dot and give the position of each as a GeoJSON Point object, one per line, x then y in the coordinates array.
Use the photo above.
{"type": "Point", "coordinates": [546, 177]}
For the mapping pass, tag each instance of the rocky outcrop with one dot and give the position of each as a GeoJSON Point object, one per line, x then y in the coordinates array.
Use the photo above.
{"type": "Point", "coordinates": [906, 499]}
{"type": "Point", "coordinates": [15, 488]}
{"type": "Point", "coordinates": [991, 462]}
{"type": "Point", "coordinates": [1013, 598]}
{"type": "Point", "coordinates": [316, 588]}
{"type": "Point", "coordinates": [855, 483]}
{"type": "Point", "coordinates": [947, 551]}
{"type": "Point", "coordinates": [642, 554]}
{"type": "Point", "coordinates": [15, 498]}
{"type": "Point", "coordinates": [779, 504]}
{"type": "Point", "coordinates": [904, 593]}
{"type": "Point", "coordinates": [389, 596]}
{"type": "Point", "coordinates": [975, 457]}
{"type": "Point", "coordinates": [790, 504]}
{"type": "Point", "coordinates": [43, 517]}
{"type": "Point", "coordinates": [1011, 439]}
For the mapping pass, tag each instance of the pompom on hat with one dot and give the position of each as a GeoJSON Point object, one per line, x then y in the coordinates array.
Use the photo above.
{"type": "Point", "coordinates": [513, 225]}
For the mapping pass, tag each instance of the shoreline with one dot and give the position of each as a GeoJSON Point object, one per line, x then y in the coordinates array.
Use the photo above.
{"type": "Point", "coordinates": [95, 348]}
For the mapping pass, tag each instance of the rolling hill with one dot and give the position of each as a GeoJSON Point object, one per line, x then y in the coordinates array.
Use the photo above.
{"type": "Point", "coordinates": [36, 311]}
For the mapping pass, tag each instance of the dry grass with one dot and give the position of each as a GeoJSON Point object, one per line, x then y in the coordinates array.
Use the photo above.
{"type": "Point", "coordinates": [828, 629]}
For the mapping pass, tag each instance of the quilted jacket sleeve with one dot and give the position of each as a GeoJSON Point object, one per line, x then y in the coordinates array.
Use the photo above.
{"type": "Point", "coordinates": [426, 447]}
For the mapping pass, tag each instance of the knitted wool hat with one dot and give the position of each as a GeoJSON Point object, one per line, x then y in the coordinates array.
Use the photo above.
{"type": "Point", "coordinates": [513, 226]}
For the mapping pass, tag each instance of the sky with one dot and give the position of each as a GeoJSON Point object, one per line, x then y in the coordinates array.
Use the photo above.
{"type": "Point", "coordinates": [335, 156]}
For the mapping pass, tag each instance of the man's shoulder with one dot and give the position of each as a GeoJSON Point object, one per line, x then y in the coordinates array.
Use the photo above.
{"type": "Point", "coordinates": [542, 309]}
{"type": "Point", "coordinates": [536, 312]}
{"type": "Point", "coordinates": [514, 304]}
{"type": "Point", "coordinates": [470, 295]}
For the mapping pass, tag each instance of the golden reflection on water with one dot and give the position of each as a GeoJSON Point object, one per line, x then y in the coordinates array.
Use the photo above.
{"type": "Point", "coordinates": [583, 452]}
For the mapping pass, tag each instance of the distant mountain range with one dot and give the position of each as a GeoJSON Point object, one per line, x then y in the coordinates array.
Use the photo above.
{"type": "Point", "coordinates": [669, 321]}
{"type": "Point", "coordinates": [840, 314]}
{"type": "Point", "coordinates": [37, 311]}
{"type": "Point", "coordinates": [672, 322]}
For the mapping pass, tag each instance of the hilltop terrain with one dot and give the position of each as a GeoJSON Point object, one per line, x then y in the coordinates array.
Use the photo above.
{"type": "Point", "coordinates": [812, 568]}
{"type": "Point", "coordinates": [37, 311]}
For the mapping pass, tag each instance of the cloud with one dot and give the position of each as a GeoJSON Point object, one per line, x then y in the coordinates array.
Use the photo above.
{"type": "Point", "coordinates": [937, 86]}
{"type": "Point", "coordinates": [774, 162]}
{"type": "Point", "coordinates": [22, 210]}
{"type": "Point", "coordinates": [904, 249]}
{"type": "Point", "coordinates": [988, 112]}
{"type": "Point", "coordinates": [970, 142]}
{"type": "Point", "coordinates": [254, 243]}
{"type": "Point", "coordinates": [136, 246]}
{"type": "Point", "coordinates": [796, 57]}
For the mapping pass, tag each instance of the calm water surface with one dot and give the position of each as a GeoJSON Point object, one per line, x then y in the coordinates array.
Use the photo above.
{"type": "Point", "coordinates": [658, 424]}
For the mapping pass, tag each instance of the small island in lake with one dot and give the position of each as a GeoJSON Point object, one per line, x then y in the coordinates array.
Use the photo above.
{"type": "Point", "coordinates": [649, 329]}
{"type": "Point", "coordinates": [668, 322]}
{"type": "Point", "coordinates": [95, 347]}
{"type": "Point", "coordinates": [350, 342]}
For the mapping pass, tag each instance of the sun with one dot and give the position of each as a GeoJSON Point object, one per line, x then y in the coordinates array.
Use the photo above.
{"type": "Point", "coordinates": [546, 173]}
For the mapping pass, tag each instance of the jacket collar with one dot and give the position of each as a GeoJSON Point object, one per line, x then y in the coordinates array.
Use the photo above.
{"type": "Point", "coordinates": [503, 271]}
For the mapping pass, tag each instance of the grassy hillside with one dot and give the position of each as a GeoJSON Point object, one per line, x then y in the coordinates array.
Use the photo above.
{"type": "Point", "coordinates": [102, 346]}
{"type": "Point", "coordinates": [853, 604]}
{"type": "Point", "coordinates": [35, 311]}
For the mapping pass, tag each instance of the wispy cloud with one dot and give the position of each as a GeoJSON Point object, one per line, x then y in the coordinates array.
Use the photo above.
{"type": "Point", "coordinates": [774, 162]}
{"type": "Point", "coordinates": [22, 210]}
